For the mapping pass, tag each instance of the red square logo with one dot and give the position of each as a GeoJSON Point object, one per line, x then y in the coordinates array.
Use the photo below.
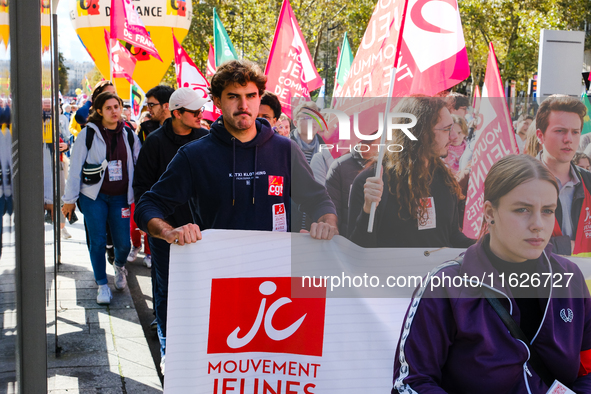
{"type": "Point", "coordinates": [279, 209]}
{"type": "Point", "coordinates": [258, 315]}
{"type": "Point", "coordinates": [275, 185]}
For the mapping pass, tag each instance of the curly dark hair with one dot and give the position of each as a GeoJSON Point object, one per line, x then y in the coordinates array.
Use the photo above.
{"type": "Point", "coordinates": [409, 179]}
{"type": "Point", "coordinates": [237, 71]}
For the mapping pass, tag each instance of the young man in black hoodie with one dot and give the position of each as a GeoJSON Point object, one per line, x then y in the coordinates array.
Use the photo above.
{"type": "Point", "coordinates": [158, 150]}
{"type": "Point", "coordinates": [240, 175]}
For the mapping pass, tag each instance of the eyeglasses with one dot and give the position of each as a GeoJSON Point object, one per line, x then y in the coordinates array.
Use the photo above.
{"type": "Point", "coordinates": [195, 113]}
{"type": "Point", "coordinates": [446, 129]}
{"type": "Point", "coordinates": [152, 105]}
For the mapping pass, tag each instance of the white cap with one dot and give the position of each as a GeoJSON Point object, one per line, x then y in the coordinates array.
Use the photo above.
{"type": "Point", "coordinates": [186, 98]}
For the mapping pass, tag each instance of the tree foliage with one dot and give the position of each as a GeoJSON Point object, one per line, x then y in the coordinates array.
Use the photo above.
{"type": "Point", "coordinates": [63, 74]}
{"type": "Point", "coordinates": [251, 25]}
{"type": "Point", "coordinates": [514, 28]}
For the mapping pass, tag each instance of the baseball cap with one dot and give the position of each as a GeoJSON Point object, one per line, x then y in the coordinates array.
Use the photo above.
{"type": "Point", "coordinates": [186, 98]}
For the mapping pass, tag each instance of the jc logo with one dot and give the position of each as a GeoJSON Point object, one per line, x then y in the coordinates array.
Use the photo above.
{"type": "Point", "coordinates": [266, 288]}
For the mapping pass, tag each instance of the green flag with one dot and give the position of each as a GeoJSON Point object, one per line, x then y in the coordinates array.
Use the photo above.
{"type": "Point", "coordinates": [345, 61]}
{"type": "Point", "coordinates": [587, 124]}
{"type": "Point", "coordinates": [223, 48]}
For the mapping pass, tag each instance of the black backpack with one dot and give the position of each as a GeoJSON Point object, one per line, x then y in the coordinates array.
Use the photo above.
{"type": "Point", "coordinates": [90, 136]}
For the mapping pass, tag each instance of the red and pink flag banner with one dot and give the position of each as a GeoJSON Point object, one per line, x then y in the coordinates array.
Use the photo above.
{"type": "Point", "coordinates": [427, 35]}
{"type": "Point", "coordinates": [211, 62]}
{"type": "Point", "coordinates": [189, 75]}
{"type": "Point", "coordinates": [290, 69]}
{"type": "Point", "coordinates": [432, 50]}
{"type": "Point", "coordinates": [122, 62]}
{"type": "Point", "coordinates": [494, 140]}
{"type": "Point", "coordinates": [126, 25]}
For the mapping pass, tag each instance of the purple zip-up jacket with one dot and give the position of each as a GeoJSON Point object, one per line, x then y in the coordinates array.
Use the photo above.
{"type": "Point", "coordinates": [453, 341]}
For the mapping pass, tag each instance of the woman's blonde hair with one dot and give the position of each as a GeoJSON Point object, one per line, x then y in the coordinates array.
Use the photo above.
{"type": "Point", "coordinates": [532, 145]}
{"type": "Point", "coordinates": [459, 120]}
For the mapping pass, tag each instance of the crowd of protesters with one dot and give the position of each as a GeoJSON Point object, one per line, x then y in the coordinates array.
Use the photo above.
{"type": "Point", "coordinates": [173, 174]}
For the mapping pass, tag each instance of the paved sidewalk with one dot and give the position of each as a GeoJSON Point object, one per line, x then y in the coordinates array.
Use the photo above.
{"type": "Point", "coordinates": [103, 348]}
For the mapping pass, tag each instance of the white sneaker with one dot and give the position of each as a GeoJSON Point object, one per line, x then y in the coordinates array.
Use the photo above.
{"type": "Point", "coordinates": [65, 234]}
{"type": "Point", "coordinates": [148, 261]}
{"type": "Point", "coordinates": [104, 295]}
{"type": "Point", "coordinates": [120, 277]}
{"type": "Point", "coordinates": [162, 364]}
{"type": "Point", "coordinates": [133, 253]}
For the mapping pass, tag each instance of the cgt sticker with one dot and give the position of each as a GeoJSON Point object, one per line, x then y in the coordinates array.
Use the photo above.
{"type": "Point", "coordinates": [275, 185]}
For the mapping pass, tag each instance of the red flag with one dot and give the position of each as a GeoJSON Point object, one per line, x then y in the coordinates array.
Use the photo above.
{"type": "Point", "coordinates": [126, 25]}
{"type": "Point", "coordinates": [122, 62]}
{"type": "Point", "coordinates": [211, 62]}
{"type": "Point", "coordinates": [495, 139]}
{"type": "Point", "coordinates": [290, 70]}
{"type": "Point", "coordinates": [188, 75]}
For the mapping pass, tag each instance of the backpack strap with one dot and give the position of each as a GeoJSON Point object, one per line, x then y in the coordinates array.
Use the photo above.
{"type": "Point", "coordinates": [89, 137]}
{"type": "Point", "coordinates": [130, 138]}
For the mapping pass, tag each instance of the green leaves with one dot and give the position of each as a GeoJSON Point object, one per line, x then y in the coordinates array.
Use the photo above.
{"type": "Point", "coordinates": [514, 27]}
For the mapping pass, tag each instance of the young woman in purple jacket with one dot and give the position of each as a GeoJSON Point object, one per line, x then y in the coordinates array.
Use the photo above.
{"type": "Point", "coordinates": [454, 341]}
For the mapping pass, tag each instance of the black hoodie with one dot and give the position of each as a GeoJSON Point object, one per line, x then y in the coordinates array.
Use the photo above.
{"type": "Point", "coordinates": [235, 185]}
{"type": "Point", "coordinates": [157, 151]}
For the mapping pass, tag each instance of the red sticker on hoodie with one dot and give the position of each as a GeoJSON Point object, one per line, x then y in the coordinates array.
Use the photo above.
{"type": "Point", "coordinates": [275, 185]}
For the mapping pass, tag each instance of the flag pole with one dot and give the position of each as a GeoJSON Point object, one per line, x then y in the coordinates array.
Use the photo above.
{"type": "Point", "coordinates": [372, 212]}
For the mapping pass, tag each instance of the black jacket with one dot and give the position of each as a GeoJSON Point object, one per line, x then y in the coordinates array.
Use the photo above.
{"type": "Point", "coordinates": [339, 178]}
{"type": "Point", "coordinates": [157, 151]}
{"type": "Point", "coordinates": [146, 128]}
{"type": "Point", "coordinates": [562, 243]}
{"type": "Point", "coordinates": [390, 231]}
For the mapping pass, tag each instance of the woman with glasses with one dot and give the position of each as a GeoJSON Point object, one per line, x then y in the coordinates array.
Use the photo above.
{"type": "Point", "coordinates": [309, 141]}
{"type": "Point", "coordinates": [417, 195]}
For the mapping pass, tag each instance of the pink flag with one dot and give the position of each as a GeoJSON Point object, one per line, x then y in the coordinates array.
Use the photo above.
{"type": "Point", "coordinates": [126, 25]}
{"type": "Point", "coordinates": [494, 139]}
{"type": "Point", "coordinates": [188, 75]}
{"type": "Point", "coordinates": [290, 70]}
{"type": "Point", "coordinates": [121, 61]}
{"type": "Point", "coordinates": [210, 62]}
{"type": "Point", "coordinates": [432, 57]}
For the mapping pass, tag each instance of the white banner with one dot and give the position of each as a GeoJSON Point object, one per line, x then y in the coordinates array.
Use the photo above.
{"type": "Point", "coordinates": [234, 326]}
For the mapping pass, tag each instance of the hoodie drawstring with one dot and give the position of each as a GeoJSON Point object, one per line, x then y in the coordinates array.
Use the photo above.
{"type": "Point", "coordinates": [234, 170]}
{"type": "Point", "coordinates": [254, 176]}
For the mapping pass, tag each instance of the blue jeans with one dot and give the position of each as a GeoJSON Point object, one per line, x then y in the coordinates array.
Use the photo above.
{"type": "Point", "coordinates": [96, 215]}
{"type": "Point", "coordinates": [160, 250]}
